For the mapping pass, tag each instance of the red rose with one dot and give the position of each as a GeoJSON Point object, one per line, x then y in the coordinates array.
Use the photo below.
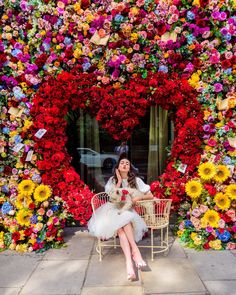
{"type": "Point", "coordinates": [206, 246]}
{"type": "Point", "coordinates": [28, 232]}
{"type": "Point", "coordinates": [85, 4]}
{"type": "Point", "coordinates": [211, 189]}
{"type": "Point", "coordinates": [226, 64]}
{"type": "Point", "coordinates": [15, 236]}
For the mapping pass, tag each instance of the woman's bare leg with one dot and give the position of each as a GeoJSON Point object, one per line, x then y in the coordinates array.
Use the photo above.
{"type": "Point", "coordinates": [126, 249]}
{"type": "Point", "coordinates": [128, 229]}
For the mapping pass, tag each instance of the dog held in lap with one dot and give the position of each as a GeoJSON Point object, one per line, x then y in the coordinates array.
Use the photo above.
{"type": "Point", "coordinates": [122, 199]}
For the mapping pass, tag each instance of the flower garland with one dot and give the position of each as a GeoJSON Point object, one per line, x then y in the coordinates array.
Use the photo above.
{"type": "Point", "coordinates": [116, 41]}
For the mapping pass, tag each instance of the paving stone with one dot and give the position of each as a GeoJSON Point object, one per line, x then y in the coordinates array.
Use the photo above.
{"type": "Point", "coordinates": [221, 287]}
{"type": "Point", "coordinates": [126, 290]}
{"type": "Point", "coordinates": [16, 268]}
{"type": "Point", "coordinates": [9, 291]}
{"type": "Point", "coordinates": [78, 246]}
{"type": "Point", "coordinates": [183, 293]}
{"type": "Point", "coordinates": [176, 251]}
{"type": "Point", "coordinates": [111, 271]}
{"type": "Point", "coordinates": [56, 277]}
{"type": "Point", "coordinates": [169, 275]}
{"type": "Point", "coordinates": [214, 265]}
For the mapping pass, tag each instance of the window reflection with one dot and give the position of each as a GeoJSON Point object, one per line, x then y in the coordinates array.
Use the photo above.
{"type": "Point", "coordinates": [95, 153]}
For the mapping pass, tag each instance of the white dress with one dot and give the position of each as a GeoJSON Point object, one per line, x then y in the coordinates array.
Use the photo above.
{"type": "Point", "coordinates": [105, 222]}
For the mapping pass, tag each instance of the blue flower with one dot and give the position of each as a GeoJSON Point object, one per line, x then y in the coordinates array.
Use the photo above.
{"type": "Point", "coordinates": [55, 208]}
{"type": "Point", "coordinates": [5, 130]}
{"type": "Point", "coordinates": [67, 40]}
{"type": "Point", "coordinates": [15, 52]}
{"type": "Point", "coordinates": [190, 15]}
{"type": "Point", "coordinates": [34, 219]}
{"type": "Point", "coordinates": [227, 37]}
{"type": "Point", "coordinates": [228, 71]}
{"type": "Point", "coordinates": [17, 138]}
{"type": "Point", "coordinates": [118, 18]}
{"type": "Point", "coordinates": [163, 69]}
{"type": "Point", "coordinates": [227, 160]}
{"type": "Point", "coordinates": [6, 207]}
{"type": "Point", "coordinates": [86, 66]}
{"type": "Point", "coordinates": [187, 223]}
{"type": "Point", "coordinates": [5, 189]}
{"type": "Point", "coordinates": [224, 237]}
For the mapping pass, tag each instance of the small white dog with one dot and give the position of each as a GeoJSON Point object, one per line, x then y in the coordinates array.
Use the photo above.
{"type": "Point", "coordinates": [122, 199]}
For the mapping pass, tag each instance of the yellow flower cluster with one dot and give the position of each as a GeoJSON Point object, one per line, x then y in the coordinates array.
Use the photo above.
{"type": "Point", "coordinates": [207, 171]}
{"type": "Point", "coordinates": [231, 191]}
{"type": "Point", "coordinates": [216, 244]}
{"type": "Point", "coordinates": [193, 189]}
{"type": "Point", "coordinates": [211, 218]}
{"type": "Point", "coordinates": [222, 201]}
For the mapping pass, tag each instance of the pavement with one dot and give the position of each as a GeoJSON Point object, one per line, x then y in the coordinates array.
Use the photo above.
{"type": "Point", "coordinates": [75, 269]}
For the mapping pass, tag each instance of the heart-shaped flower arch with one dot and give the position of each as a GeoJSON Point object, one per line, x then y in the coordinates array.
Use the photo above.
{"type": "Point", "coordinates": [119, 112]}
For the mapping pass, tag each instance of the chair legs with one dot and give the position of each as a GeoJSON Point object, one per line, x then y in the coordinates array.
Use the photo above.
{"type": "Point", "coordinates": [152, 245]}
{"type": "Point", "coordinates": [99, 247]}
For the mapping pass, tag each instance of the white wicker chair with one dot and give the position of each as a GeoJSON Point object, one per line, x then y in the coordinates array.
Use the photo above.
{"type": "Point", "coordinates": [155, 213]}
{"type": "Point", "coordinates": [96, 201]}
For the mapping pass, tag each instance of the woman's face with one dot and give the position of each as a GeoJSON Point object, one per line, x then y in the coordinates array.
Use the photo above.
{"type": "Point", "coordinates": [124, 165]}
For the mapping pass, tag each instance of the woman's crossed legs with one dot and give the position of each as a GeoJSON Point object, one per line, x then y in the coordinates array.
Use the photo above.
{"type": "Point", "coordinates": [130, 248]}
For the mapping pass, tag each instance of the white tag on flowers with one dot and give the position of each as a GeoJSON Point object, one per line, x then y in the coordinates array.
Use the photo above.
{"type": "Point", "coordinates": [29, 156]}
{"type": "Point", "coordinates": [212, 158]}
{"type": "Point", "coordinates": [182, 168]}
{"type": "Point", "coordinates": [40, 133]}
{"type": "Point", "coordinates": [18, 147]}
{"type": "Point", "coordinates": [15, 111]}
{"type": "Point", "coordinates": [231, 169]}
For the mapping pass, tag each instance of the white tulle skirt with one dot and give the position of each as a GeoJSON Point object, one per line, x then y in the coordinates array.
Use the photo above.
{"type": "Point", "coordinates": [105, 222]}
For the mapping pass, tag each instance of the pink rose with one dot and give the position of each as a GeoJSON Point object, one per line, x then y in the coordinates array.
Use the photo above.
{"type": "Point", "coordinates": [211, 142]}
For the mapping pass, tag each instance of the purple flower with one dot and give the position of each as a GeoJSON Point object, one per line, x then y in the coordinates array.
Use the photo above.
{"type": "Point", "coordinates": [206, 127]}
{"type": "Point", "coordinates": [218, 87]}
{"type": "Point", "coordinates": [216, 15]}
{"type": "Point", "coordinates": [223, 15]}
{"type": "Point", "coordinates": [209, 229]}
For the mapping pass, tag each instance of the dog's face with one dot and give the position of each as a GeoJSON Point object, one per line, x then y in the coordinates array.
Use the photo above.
{"type": "Point", "coordinates": [115, 195]}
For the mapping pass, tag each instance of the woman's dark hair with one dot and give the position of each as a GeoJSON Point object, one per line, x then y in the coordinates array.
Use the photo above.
{"type": "Point", "coordinates": [131, 173]}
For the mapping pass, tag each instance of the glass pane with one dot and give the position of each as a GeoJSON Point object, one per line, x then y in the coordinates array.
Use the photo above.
{"type": "Point", "coordinates": [95, 153]}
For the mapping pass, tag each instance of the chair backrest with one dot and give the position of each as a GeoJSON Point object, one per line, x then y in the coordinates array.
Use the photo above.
{"type": "Point", "coordinates": [155, 211]}
{"type": "Point", "coordinates": [98, 200]}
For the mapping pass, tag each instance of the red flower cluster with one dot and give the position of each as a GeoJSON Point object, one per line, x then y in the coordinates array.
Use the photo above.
{"type": "Point", "coordinates": [119, 111]}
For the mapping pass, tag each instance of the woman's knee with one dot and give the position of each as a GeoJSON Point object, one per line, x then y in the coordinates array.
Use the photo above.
{"type": "Point", "coordinates": [120, 231]}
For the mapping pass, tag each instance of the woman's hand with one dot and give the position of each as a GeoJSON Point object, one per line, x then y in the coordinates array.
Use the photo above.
{"type": "Point", "coordinates": [148, 196]}
{"type": "Point", "coordinates": [119, 178]}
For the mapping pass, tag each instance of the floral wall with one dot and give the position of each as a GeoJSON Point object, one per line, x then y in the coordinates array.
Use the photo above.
{"type": "Point", "coordinates": [61, 55]}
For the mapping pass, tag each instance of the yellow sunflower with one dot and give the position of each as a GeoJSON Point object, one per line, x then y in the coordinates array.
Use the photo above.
{"type": "Point", "coordinates": [211, 217]}
{"type": "Point", "coordinates": [42, 193]}
{"type": "Point", "coordinates": [193, 188]}
{"type": "Point", "coordinates": [26, 187]}
{"type": "Point", "coordinates": [23, 217]}
{"type": "Point", "coordinates": [222, 201]}
{"type": "Point", "coordinates": [231, 191]}
{"type": "Point", "coordinates": [207, 171]}
{"type": "Point", "coordinates": [22, 201]}
{"type": "Point", "coordinates": [222, 173]}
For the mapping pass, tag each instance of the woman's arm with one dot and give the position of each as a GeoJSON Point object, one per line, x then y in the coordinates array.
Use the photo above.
{"type": "Point", "coordinates": [145, 193]}
{"type": "Point", "coordinates": [142, 197]}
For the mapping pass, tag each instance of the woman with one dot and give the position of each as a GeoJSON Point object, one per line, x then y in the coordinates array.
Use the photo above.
{"type": "Point", "coordinates": [129, 226]}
